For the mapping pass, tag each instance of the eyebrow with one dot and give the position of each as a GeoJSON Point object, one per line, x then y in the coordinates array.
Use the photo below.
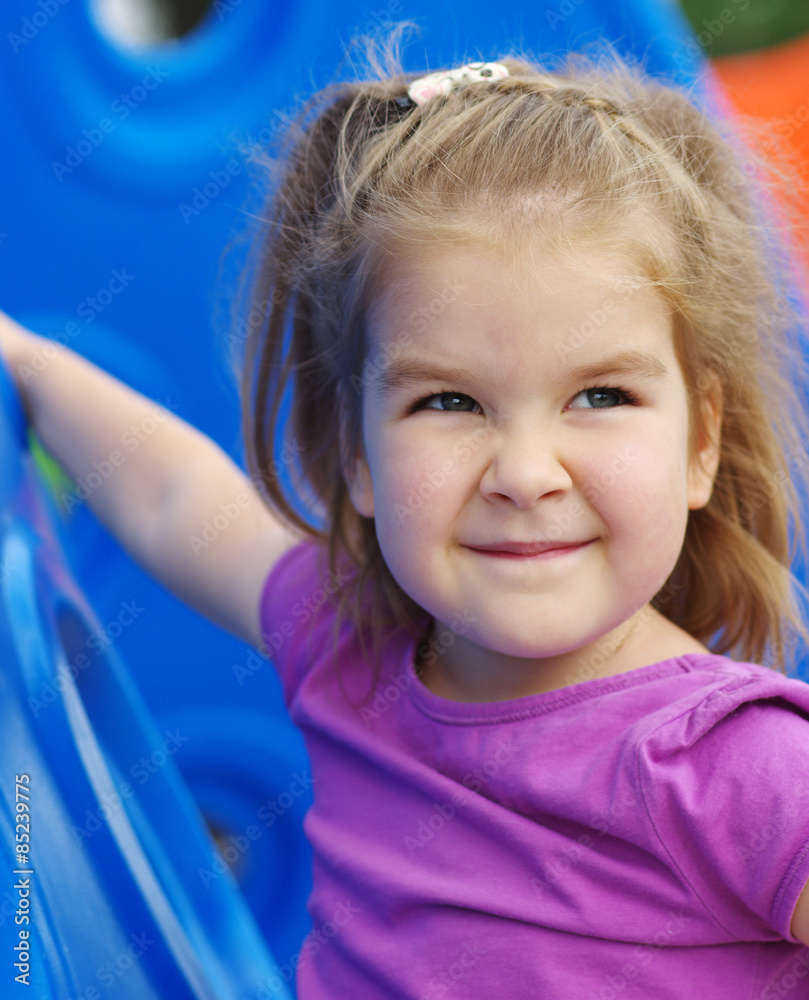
{"type": "Point", "coordinates": [403, 372]}
{"type": "Point", "coordinates": [640, 364]}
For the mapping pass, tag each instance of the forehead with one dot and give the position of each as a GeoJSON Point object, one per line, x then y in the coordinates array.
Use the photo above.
{"type": "Point", "coordinates": [451, 296]}
{"type": "Point", "coordinates": [529, 232]}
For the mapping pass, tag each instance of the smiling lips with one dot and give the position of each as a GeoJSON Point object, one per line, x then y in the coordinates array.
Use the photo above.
{"type": "Point", "coordinates": [520, 550]}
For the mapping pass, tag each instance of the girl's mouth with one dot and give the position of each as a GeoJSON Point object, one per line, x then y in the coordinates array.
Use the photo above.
{"type": "Point", "coordinates": [530, 550]}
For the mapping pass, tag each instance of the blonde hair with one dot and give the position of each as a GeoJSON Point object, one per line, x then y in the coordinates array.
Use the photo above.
{"type": "Point", "coordinates": [367, 177]}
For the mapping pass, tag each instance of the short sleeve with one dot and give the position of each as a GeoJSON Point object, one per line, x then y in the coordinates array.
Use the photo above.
{"type": "Point", "coordinates": [726, 787]}
{"type": "Point", "coordinates": [295, 611]}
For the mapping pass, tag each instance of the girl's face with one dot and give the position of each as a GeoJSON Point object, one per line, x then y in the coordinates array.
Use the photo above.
{"type": "Point", "coordinates": [526, 463]}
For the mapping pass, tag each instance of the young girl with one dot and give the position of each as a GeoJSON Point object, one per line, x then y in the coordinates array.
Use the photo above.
{"type": "Point", "coordinates": [537, 337]}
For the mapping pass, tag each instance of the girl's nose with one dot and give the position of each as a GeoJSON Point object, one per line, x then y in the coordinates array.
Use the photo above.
{"type": "Point", "coordinates": [523, 467]}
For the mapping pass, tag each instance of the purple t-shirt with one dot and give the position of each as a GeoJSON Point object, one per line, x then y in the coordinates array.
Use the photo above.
{"type": "Point", "coordinates": [638, 836]}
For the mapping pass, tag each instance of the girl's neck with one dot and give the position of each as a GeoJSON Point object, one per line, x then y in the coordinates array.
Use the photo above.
{"type": "Point", "coordinates": [474, 675]}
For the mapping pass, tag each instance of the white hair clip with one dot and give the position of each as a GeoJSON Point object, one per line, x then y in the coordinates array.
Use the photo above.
{"type": "Point", "coordinates": [443, 82]}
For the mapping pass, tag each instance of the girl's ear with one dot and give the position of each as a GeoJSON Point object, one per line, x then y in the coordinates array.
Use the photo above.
{"type": "Point", "coordinates": [356, 471]}
{"type": "Point", "coordinates": [705, 462]}
{"type": "Point", "coordinates": [360, 485]}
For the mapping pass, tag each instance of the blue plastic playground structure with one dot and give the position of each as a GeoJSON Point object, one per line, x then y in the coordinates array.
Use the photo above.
{"type": "Point", "coordinates": [101, 843]}
{"type": "Point", "coordinates": [123, 178]}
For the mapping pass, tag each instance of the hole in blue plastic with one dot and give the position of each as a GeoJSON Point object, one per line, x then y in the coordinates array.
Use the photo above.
{"type": "Point", "coordinates": [136, 24]}
{"type": "Point", "coordinates": [231, 847]}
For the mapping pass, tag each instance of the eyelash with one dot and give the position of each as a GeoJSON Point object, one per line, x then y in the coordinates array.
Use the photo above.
{"type": "Point", "coordinates": [629, 398]}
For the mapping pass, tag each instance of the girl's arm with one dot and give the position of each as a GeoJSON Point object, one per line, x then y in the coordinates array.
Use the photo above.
{"type": "Point", "coordinates": [161, 481]}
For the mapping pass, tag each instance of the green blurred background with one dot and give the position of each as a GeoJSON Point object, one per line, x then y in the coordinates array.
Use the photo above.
{"type": "Point", "coordinates": [727, 26]}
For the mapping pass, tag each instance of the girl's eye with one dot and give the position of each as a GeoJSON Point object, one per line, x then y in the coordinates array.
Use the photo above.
{"type": "Point", "coordinates": [452, 402]}
{"type": "Point", "coordinates": [601, 398]}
